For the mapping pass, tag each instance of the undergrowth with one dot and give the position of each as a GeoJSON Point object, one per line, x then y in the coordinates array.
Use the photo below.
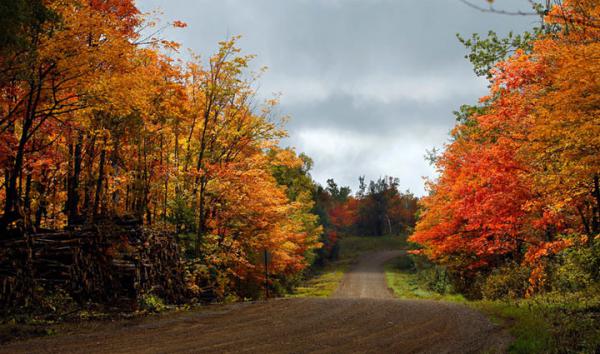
{"type": "Point", "coordinates": [552, 322]}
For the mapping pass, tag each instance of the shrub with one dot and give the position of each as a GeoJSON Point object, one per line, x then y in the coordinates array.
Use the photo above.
{"type": "Point", "coordinates": [508, 281]}
{"type": "Point", "coordinates": [434, 277]}
{"type": "Point", "coordinates": [576, 268]}
{"type": "Point", "coordinates": [573, 319]}
{"type": "Point", "coordinates": [151, 303]}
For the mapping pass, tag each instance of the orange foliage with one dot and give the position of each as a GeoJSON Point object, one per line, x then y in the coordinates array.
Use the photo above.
{"type": "Point", "coordinates": [519, 180]}
{"type": "Point", "coordinates": [97, 126]}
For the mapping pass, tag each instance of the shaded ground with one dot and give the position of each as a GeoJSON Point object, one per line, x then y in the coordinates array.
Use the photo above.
{"type": "Point", "coordinates": [362, 316]}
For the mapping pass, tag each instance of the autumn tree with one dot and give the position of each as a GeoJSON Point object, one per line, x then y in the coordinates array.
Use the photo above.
{"type": "Point", "coordinates": [518, 181]}
{"type": "Point", "coordinates": [99, 125]}
{"type": "Point", "coordinates": [49, 81]}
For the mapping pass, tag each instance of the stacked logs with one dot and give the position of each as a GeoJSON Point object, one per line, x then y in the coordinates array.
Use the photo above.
{"type": "Point", "coordinates": [109, 264]}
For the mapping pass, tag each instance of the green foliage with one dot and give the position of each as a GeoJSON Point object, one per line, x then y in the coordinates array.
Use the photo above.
{"type": "Point", "coordinates": [466, 112]}
{"type": "Point", "coordinates": [187, 244]}
{"type": "Point", "coordinates": [486, 52]}
{"type": "Point", "coordinates": [550, 323]}
{"type": "Point", "coordinates": [506, 282]}
{"type": "Point", "coordinates": [431, 276]}
{"type": "Point", "coordinates": [182, 215]}
{"type": "Point", "coordinates": [353, 246]}
{"type": "Point", "coordinates": [151, 303]}
{"type": "Point", "coordinates": [408, 283]}
{"type": "Point", "coordinates": [574, 320]}
{"type": "Point", "coordinates": [18, 17]}
{"type": "Point", "coordinates": [576, 268]}
{"type": "Point", "coordinates": [339, 194]}
{"type": "Point", "coordinates": [297, 180]}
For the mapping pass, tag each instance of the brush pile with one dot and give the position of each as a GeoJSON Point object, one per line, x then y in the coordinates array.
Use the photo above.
{"type": "Point", "coordinates": [110, 264]}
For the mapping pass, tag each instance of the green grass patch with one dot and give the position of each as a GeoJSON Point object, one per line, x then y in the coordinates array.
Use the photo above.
{"type": "Point", "coordinates": [549, 323]}
{"type": "Point", "coordinates": [406, 283]}
{"type": "Point", "coordinates": [323, 282]}
{"type": "Point", "coordinates": [526, 324]}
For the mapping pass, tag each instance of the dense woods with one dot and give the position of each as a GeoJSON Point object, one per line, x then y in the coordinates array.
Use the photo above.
{"type": "Point", "coordinates": [516, 208]}
{"type": "Point", "coordinates": [376, 209]}
{"type": "Point", "coordinates": [119, 160]}
{"type": "Point", "coordinates": [100, 126]}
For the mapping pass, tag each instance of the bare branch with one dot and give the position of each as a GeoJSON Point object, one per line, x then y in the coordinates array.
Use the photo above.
{"type": "Point", "coordinates": [502, 12]}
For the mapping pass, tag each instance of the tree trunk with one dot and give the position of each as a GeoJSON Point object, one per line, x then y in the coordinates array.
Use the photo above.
{"type": "Point", "coordinates": [89, 178]}
{"type": "Point", "coordinates": [73, 190]}
{"type": "Point", "coordinates": [595, 209]}
{"type": "Point", "coordinates": [99, 181]}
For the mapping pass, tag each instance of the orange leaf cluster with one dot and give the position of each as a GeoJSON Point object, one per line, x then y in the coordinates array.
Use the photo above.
{"type": "Point", "coordinates": [520, 180]}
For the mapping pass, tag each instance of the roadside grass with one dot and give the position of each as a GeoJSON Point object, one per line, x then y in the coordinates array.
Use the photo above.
{"type": "Point", "coordinates": [527, 324]}
{"type": "Point", "coordinates": [550, 323]}
{"type": "Point", "coordinates": [406, 284]}
{"type": "Point", "coordinates": [324, 281]}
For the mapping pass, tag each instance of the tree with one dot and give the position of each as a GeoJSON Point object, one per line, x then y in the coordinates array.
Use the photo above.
{"type": "Point", "coordinates": [99, 125]}
{"type": "Point", "coordinates": [48, 81]}
{"type": "Point", "coordinates": [519, 179]}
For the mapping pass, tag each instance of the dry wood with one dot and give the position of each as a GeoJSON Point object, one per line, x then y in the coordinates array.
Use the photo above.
{"type": "Point", "coordinates": [103, 264]}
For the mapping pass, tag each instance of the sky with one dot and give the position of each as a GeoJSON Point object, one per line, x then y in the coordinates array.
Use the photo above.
{"type": "Point", "coordinates": [369, 85]}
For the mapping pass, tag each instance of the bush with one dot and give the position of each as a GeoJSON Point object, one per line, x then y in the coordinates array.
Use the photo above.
{"type": "Point", "coordinates": [151, 303]}
{"type": "Point", "coordinates": [433, 277]}
{"type": "Point", "coordinates": [573, 320]}
{"type": "Point", "coordinates": [405, 263]}
{"type": "Point", "coordinates": [509, 281]}
{"type": "Point", "coordinates": [576, 268]}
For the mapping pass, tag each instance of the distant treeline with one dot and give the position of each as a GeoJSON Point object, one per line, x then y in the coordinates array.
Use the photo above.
{"type": "Point", "coordinates": [376, 209]}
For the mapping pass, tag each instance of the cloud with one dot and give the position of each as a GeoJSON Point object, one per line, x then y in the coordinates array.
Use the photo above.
{"type": "Point", "coordinates": [349, 154]}
{"type": "Point", "coordinates": [370, 85]}
{"type": "Point", "coordinates": [374, 88]}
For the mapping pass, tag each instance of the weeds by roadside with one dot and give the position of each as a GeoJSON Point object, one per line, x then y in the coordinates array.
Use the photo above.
{"type": "Point", "coordinates": [547, 323]}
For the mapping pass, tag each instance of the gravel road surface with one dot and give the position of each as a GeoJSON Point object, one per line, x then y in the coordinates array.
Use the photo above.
{"type": "Point", "coordinates": [362, 316]}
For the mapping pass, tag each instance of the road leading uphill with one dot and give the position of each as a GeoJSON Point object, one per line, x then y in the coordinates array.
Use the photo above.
{"type": "Point", "coordinates": [361, 317]}
{"type": "Point", "coordinates": [367, 279]}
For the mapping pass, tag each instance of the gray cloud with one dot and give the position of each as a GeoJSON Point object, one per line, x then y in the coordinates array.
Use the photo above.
{"type": "Point", "coordinates": [369, 84]}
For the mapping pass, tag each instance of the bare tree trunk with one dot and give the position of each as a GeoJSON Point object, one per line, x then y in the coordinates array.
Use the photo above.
{"type": "Point", "coordinates": [73, 190]}
{"type": "Point", "coordinates": [89, 178]}
{"type": "Point", "coordinates": [42, 205]}
{"type": "Point", "coordinates": [595, 209]}
{"type": "Point", "coordinates": [99, 181]}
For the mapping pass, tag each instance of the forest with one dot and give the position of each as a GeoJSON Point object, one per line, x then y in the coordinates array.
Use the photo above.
{"type": "Point", "coordinates": [133, 179]}
{"type": "Point", "coordinates": [518, 184]}
{"type": "Point", "coordinates": [129, 175]}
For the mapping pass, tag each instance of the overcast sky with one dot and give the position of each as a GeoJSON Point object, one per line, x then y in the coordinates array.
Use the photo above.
{"type": "Point", "coordinates": [370, 85]}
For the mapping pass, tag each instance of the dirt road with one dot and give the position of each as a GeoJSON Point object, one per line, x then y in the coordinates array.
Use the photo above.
{"type": "Point", "coordinates": [367, 278]}
{"type": "Point", "coordinates": [361, 317]}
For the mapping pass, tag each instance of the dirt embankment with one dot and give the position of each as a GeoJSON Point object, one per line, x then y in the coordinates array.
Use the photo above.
{"type": "Point", "coordinates": [362, 317]}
